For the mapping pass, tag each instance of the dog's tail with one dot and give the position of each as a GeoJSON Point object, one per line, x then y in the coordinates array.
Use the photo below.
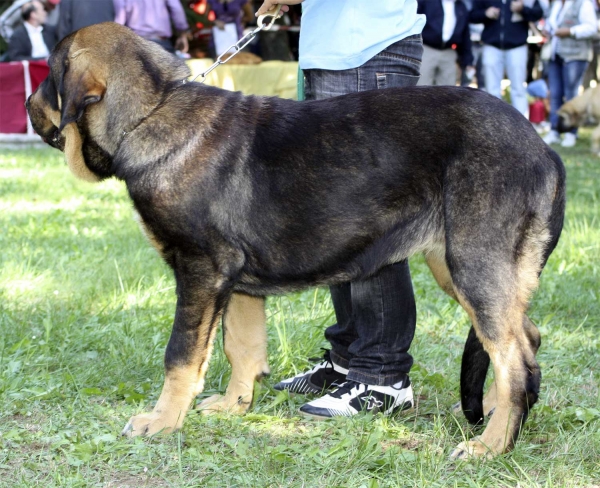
{"type": "Point", "coordinates": [557, 215]}
{"type": "Point", "coordinates": [473, 371]}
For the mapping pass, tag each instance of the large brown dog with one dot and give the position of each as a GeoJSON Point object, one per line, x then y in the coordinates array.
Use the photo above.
{"type": "Point", "coordinates": [249, 196]}
{"type": "Point", "coordinates": [580, 110]}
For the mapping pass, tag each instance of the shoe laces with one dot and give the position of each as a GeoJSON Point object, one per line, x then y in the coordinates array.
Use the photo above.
{"type": "Point", "coordinates": [346, 388]}
{"type": "Point", "coordinates": [326, 359]}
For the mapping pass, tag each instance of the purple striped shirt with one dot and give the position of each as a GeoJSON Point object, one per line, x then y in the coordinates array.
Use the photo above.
{"type": "Point", "coordinates": [151, 19]}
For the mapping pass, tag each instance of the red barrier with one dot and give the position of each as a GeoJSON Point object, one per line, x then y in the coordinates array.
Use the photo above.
{"type": "Point", "coordinates": [17, 81]}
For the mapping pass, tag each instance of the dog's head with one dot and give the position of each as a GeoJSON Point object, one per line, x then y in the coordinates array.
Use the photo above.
{"type": "Point", "coordinates": [575, 112]}
{"type": "Point", "coordinates": [103, 81]}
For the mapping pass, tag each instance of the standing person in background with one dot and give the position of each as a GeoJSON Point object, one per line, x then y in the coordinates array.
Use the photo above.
{"type": "Point", "coordinates": [76, 14]}
{"type": "Point", "coordinates": [229, 12]}
{"type": "Point", "coordinates": [32, 39]}
{"type": "Point", "coordinates": [53, 9]}
{"type": "Point", "coordinates": [592, 73]}
{"type": "Point", "coordinates": [504, 38]}
{"type": "Point", "coordinates": [228, 28]}
{"type": "Point", "coordinates": [152, 20]}
{"type": "Point", "coordinates": [570, 26]}
{"type": "Point", "coordinates": [446, 40]}
{"type": "Point", "coordinates": [349, 46]}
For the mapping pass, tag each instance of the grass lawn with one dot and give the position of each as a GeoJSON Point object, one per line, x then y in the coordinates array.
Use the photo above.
{"type": "Point", "coordinates": [86, 307]}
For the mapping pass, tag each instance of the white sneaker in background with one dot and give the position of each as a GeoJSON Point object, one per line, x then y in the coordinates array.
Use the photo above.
{"type": "Point", "coordinates": [569, 140]}
{"type": "Point", "coordinates": [552, 137]}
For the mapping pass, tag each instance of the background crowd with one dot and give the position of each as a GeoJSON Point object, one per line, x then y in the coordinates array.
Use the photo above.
{"type": "Point", "coordinates": [187, 27]}
{"type": "Point", "coordinates": [467, 42]}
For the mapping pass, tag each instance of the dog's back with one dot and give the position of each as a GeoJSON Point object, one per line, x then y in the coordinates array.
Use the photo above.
{"type": "Point", "coordinates": [418, 162]}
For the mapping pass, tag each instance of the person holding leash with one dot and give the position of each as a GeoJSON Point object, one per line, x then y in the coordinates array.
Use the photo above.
{"type": "Point", "coordinates": [349, 46]}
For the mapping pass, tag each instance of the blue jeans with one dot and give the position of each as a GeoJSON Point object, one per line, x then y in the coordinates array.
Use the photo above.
{"type": "Point", "coordinates": [376, 317]}
{"type": "Point", "coordinates": [514, 61]}
{"type": "Point", "coordinates": [564, 80]}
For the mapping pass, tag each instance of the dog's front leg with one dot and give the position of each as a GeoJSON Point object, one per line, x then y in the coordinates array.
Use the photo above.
{"type": "Point", "coordinates": [199, 304]}
{"type": "Point", "coordinates": [245, 344]}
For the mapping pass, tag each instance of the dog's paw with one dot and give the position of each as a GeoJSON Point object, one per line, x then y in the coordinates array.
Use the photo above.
{"type": "Point", "coordinates": [220, 403]}
{"type": "Point", "coordinates": [148, 424]}
{"type": "Point", "coordinates": [471, 449]}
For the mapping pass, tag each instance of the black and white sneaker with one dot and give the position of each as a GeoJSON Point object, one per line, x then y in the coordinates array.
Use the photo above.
{"type": "Point", "coordinates": [319, 379]}
{"type": "Point", "coordinates": [353, 397]}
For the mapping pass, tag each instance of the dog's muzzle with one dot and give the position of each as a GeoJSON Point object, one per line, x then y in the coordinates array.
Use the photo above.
{"type": "Point", "coordinates": [563, 126]}
{"type": "Point", "coordinates": [51, 136]}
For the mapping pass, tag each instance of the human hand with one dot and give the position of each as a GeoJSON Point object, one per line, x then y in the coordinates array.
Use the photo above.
{"type": "Point", "coordinates": [181, 43]}
{"type": "Point", "coordinates": [219, 24]}
{"type": "Point", "coordinates": [269, 4]}
{"type": "Point", "coordinates": [516, 6]}
{"type": "Point", "coordinates": [492, 13]}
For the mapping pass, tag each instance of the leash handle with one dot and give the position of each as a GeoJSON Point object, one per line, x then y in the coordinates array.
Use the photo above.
{"type": "Point", "coordinates": [241, 44]}
{"type": "Point", "coordinates": [273, 12]}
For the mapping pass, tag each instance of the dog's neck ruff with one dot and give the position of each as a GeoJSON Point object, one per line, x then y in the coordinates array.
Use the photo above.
{"type": "Point", "coordinates": [168, 91]}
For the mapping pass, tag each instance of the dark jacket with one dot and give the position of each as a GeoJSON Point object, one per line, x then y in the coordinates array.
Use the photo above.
{"type": "Point", "coordinates": [432, 33]}
{"type": "Point", "coordinates": [19, 46]}
{"type": "Point", "coordinates": [502, 32]}
{"type": "Point", "coordinates": [77, 14]}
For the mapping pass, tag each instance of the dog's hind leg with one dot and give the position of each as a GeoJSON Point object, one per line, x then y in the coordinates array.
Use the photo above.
{"type": "Point", "coordinates": [439, 269]}
{"type": "Point", "coordinates": [516, 372]}
{"type": "Point", "coordinates": [533, 334]}
{"type": "Point", "coordinates": [495, 292]}
{"type": "Point", "coordinates": [245, 344]}
{"type": "Point", "coordinates": [475, 361]}
{"type": "Point", "coordinates": [475, 364]}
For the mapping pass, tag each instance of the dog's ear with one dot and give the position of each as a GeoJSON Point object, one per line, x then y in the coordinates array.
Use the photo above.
{"type": "Point", "coordinates": [82, 84]}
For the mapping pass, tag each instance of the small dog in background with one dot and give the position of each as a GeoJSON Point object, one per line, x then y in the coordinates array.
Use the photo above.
{"type": "Point", "coordinates": [582, 110]}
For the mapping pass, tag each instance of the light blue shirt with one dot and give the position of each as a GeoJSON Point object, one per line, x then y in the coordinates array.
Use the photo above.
{"type": "Point", "coordinates": [345, 34]}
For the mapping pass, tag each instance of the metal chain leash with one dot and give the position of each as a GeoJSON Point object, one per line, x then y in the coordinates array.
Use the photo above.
{"type": "Point", "coordinates": [241, 44]}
